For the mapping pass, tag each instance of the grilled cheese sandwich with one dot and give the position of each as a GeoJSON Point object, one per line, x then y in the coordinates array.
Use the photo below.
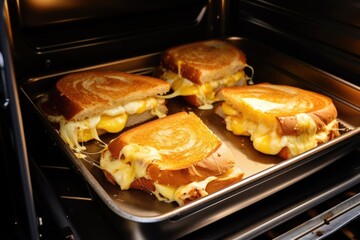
{"type": "Point", "coordinates": [86, 105]}
{"type": "Point", "coordinates": [176, 158]}
{"type": "Point", "coordinates": [197, 70]}
{"type": "Point", "coordinates": [112, 121]}
{"type": "Point", "coordinates": [204, 92]}
{"type": "Point", "coordinates": [280, 120]}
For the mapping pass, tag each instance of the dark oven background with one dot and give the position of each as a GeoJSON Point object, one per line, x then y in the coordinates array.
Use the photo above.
{"type": "Point", "coordinates": [51, 36]}
{"type": "Point", "coordinates": [71, 34]}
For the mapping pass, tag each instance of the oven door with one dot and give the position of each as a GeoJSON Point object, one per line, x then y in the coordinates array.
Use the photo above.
{"type": "Point", "coordinates": [18, 204]}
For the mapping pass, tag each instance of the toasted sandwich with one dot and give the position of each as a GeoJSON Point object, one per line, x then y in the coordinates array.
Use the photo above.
{"type": "Point", "coordinates": [177, 158]}
{"type": "Point", "coordinates": [87, 104]}
{"type": "Point", "coordinates": [280, 120]}
{"type": "Point", "coordinates": [197, 70]}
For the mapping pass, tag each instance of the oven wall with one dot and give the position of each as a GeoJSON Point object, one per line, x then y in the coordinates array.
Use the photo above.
{"type": "Point", "coordinates": [324, 33]}
{"type": "Point", "coordinates": [53, 35]}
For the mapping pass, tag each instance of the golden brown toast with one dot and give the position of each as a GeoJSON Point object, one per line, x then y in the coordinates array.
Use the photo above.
{"type": "Point", "coordinates": [280, 119]}
{"type": "Point", "coordinates": [84, 105]}
{"type": "Point", "coordinates": [205, 61]}
{"type": "Point", "coordinates": [180, 150]}
{"type": "Point", "coordinates": [197, 70]}
{"type": "Point", "coordinates": [80, 95]}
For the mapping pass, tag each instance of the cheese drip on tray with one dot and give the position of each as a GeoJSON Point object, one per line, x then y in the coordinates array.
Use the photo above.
{"type": "Point", "coordinates": [74, 132]}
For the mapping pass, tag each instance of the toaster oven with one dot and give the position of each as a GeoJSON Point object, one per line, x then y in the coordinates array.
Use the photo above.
{"type": "Point", "coordinates": [50, 194]}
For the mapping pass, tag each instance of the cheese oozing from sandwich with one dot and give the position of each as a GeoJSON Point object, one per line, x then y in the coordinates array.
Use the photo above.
{"type": "Point", "coordinates": [132, 164]}
{"type": "Point", "coordinates": [265, 135]}
{"type": "Point", "coordinates": [73, 132]}
{"type": "Point", "coordinates": [187, 192]}
{"type": "Point", "coordinates": [204, 92]}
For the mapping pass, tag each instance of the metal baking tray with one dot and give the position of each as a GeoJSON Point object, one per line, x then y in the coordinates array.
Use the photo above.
{"type": "Point", "coordinates": [141, 214]}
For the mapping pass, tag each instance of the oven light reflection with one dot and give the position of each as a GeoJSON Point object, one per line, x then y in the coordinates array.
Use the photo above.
{"type": "Point", "coordinates": [51, 4]}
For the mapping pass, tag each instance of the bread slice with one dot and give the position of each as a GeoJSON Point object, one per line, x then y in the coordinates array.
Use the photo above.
{"type": "Point", "coordinates": [169, 154]}
{"type": "Point", "coordinates": [197, 70]}
{"type": "Point", "coordinates": [204, 61]}
{"type": "Point", "coordinates": [80, 95]}
{"type": "Point", "coordinates": [281, 120]}
{"type": "Point", "coordinates": [85, 105]}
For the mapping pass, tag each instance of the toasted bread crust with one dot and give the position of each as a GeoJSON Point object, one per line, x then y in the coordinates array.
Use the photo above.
{"type": "Point", "coordinates": [284, 153]}
{"type": "Point", "coordinates": [283, 109]}
{"type": "Point", "coordinates": [217, 163]}
{"type": "Point", "coordinates": [210, 157]}
{"type": "Point", "coordinates": [132, 120]}
{"type": "Point", "coordinates": [80, 95]}
{"type": "Point", "coordinates": [64, 105]}
{"type": "Point", "coordinates": [321, 117]}
{"type": "Point", "coordinates": [192, 165]}
{"type": "Point", "coordinates": [222, 182]}
{"type": "Point", "coordinates": [192, 100]}
{"type": "Point", "coordinates": [186, 128]}
{"type": "Point", "coordinates": [205, 61]}
{"type": "Point", "coordinates": [186, 176]}
{"type": "Point", "coordinates": [319, 107]}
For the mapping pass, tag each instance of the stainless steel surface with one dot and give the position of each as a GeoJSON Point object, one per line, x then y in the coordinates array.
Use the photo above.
{"type": "Point", "coordinates": [264, 175]}
{"type": "Point", "coordinates": [326, 223]}
{"type": "Point", "coordinates": [293, 210]}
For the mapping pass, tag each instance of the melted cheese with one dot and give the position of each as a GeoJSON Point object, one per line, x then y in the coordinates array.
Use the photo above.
{"type": "Point", "coordinates": [266, 139]}
{"type": "Point", "coordinates": [132, 164]}
{"type": "Point", "coordinates": [112, 124]}
{"type": "Point", "coordinates": [204, 92]}
{"type": "Point", "coordinates": [113, 120]}
{"type": "Point", "coordinates": [182, 193]}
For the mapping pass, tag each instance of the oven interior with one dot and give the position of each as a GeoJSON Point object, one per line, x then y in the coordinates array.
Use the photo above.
{"type": "Point", "coordinates": [52, 37]}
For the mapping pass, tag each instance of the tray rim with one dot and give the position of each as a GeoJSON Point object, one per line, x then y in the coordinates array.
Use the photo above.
{"type": "Point", "coordinates": [198, 205]}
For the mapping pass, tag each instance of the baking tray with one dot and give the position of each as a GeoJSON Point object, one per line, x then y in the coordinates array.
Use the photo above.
{"type": "Point", "coordinates": [141, 214]}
